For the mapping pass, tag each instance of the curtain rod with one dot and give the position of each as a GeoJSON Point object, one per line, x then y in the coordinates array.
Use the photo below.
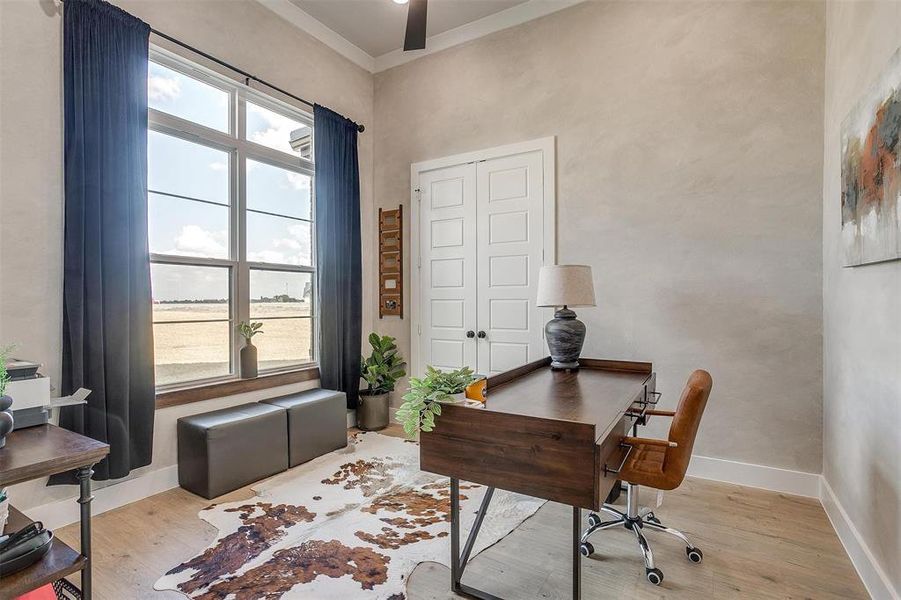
{"type": "Point", "coordinates": [247, 76]}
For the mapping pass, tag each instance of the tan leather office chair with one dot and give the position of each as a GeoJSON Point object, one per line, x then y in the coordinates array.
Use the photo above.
{"type": "Point", "coordinates": [660, 464]}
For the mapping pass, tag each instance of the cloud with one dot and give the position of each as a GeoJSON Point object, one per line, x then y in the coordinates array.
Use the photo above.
{"type": "Point", "coordinates": [163, 89]}
{"type": "Point", "coordinates": [194, 240]}
{"type": "Point", "coordinates": [271, 256]}
{"type": "Point", "coordinates": [293, 250]}
{"type": "Point", "coordinates": [298, 181]}
{"type": "Point", "coordinates": [290, 244]}
{"type": "Point", "coordinates": [219, 165]}
{"type": "Point", "coordinates": [277, 132]}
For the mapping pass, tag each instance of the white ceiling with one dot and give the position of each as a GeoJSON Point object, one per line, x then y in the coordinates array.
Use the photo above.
{"type": "Point", "coordinates": [377, 26]}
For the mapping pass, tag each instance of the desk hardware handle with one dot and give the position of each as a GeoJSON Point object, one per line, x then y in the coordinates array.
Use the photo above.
{"type": "Point", "coordinates": [628, 448]}
{"type": "Point", "coordinates": [482, 335]}
{"type": "Point", "coordinates": [470, 334]}
{"type": "Point", "coordinates": [639, 415]}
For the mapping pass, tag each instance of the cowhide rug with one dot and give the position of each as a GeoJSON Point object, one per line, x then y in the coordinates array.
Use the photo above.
{"type": "Point", "coordinates": [350, 524]}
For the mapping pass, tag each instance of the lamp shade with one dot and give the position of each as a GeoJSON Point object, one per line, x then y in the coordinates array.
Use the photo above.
{"type": "Point", "coordinates": [569, 285]}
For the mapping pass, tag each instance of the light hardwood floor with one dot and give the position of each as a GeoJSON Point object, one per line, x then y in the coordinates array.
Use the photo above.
{"type": "Point", "coordinates": [756, 544]}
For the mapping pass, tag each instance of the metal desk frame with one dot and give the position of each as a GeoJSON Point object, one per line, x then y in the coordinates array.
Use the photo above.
{"type": "Point", "coordinates": [460, 560]}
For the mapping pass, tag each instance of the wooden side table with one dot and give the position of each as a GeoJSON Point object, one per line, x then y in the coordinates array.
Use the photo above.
{"type": "Point", "coordinates": [38, 452]}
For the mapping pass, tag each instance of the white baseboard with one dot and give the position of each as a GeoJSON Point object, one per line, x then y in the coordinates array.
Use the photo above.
{"type": "Point", "coordinates": [873, 576]}
{"type": "Point", "coordinates": [351, 418]}
{"type": "Point", "coordinates": [64, 512]}
{"type": "Point", "coordinates": [774, 479]}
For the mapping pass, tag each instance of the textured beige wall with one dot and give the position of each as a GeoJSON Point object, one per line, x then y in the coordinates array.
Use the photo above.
{"type": "Point", "coordinates": [689, 175]}
{"type": "Point", "coordinates": [861, 308]}
{"type": "Point", "coordinates": [31, 196]}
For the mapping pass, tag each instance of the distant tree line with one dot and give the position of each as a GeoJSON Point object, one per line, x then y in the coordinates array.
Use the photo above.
{"type": "Point", "coordinates": [262, 299]}
{"type": "Point", "coordinates": [307, 292]}
{"type": "Point", "coordinates": [201, 301]}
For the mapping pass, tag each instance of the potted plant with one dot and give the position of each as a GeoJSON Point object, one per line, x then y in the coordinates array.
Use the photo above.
{"type": "Point", "coordinates": [422, 404]}
{"type": "Point", "coordinates": [249, 351]}
{"type": "Point", "coordinates": [381, 370]}
{"type": "Point", "coordinates": [6, 416]}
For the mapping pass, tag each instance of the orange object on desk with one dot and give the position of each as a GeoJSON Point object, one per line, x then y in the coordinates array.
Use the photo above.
{"type": "Point", "coordinates": [42, 593]}
{"type": "Point", "coordinates": [476, 390]}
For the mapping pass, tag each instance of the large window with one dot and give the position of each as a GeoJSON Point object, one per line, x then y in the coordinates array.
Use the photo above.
{"type": "Point", "coordinates": [230, 194]}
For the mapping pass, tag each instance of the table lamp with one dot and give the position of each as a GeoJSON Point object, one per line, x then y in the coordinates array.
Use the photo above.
{"type": "Point", "coordinates": [565, 285]}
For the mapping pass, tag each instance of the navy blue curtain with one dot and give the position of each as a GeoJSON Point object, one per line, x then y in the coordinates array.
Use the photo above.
{"type": "Point", "coordinates": [107, 322]}
{"type": "Point", "coordinates": [338, 252]}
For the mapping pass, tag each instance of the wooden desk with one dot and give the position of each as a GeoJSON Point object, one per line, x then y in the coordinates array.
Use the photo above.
{"type": "Point", "coordinates": [549, 434]}
{"type": "Point", "coordinates": [38, 452]}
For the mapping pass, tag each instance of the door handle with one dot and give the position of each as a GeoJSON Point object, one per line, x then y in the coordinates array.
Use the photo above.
{"type": "Point", "coordinates": [482, 335]}
{"type": "Point", "coordinates": [470, 334]}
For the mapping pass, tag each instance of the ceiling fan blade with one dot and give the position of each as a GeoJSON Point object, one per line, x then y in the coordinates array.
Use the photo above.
{"type": "Point", "coordinates": [416, 25]}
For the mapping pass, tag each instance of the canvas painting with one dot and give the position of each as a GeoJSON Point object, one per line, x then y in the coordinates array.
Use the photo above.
{"type": "Point", "coordinates": [871, 172]}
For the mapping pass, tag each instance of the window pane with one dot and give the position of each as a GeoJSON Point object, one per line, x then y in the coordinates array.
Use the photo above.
{"type": "Point", "coordinates": [188, 293]}
{"type": "Point", "coordinates": [278, 191]}
{"type": "Point", "coordinates": [280, 294]}
{"type": "Point", "coordinates": [176, 166]}
{"type": "Point", "coordinates": [273, 130]}
{"type": "Point", "coordinates": [284, 342]}
{"type": "Point", "coordinates": [190, 351]}
{"type": "Point", "coordinates": [187, 228]}
{"type": "Point", "coordinates": [186, 97]}
{"type": "Point", "coordinates": [278, 240]}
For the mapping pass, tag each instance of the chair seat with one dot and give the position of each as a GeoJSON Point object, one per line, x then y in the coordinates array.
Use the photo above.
{"type": "Point", "coordinates": [645, 467]}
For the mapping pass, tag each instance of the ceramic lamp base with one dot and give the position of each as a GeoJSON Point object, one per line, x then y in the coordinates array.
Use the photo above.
{"type": "Point", "coordinates": [565, 335]}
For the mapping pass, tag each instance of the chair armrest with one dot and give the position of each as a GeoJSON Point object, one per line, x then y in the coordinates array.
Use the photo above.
{"type": "Point", "coordinates": [652, 413]}
{"type": "Point", "coordinates": [648, 442]}
{"type": "Point", "coordinates": [661, 413]}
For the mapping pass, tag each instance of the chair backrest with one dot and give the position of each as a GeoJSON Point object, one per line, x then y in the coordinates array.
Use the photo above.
{"type": "Point", "coordinates": [685, 424]}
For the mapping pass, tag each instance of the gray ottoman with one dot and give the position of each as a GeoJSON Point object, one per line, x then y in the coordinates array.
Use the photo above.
{"type": "Point", "coordinates": [226, 449]}
{"type": "Point", "coordinates": [317, 423]}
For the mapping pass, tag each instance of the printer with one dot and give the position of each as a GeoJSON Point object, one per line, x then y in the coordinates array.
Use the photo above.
{"type": "Point", "coordinates": [30, 392]}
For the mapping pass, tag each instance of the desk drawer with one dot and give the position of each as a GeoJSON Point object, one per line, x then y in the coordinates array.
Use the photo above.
{"type": "Point", "coordinates": [544, 458]}
{"type": "Point", "coordinates": [609, 457]}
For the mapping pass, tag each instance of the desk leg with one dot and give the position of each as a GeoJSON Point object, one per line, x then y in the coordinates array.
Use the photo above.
{"type": "Point", "coordinates": [458, 560]}
{"type": "Point", "coordinates": [455, 534]}
{"type": "Point", "coordinates": [577, 555]}
{"type": "Point", "coordinates": [84, 499]}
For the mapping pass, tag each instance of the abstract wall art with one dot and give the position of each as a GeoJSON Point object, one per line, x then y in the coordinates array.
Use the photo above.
{"type": "Point", "coordinates": [871, 172]}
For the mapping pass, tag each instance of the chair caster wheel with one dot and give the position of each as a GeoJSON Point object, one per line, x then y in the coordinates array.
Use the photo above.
{"type": "Point", "coordinates": [593, 520]}
{"type": "Point", "coordinates": [655, 576]}
{"type": "Point", "coordinates": [694, 554]}
{"type": "Point", "coordinates": [586, 549]}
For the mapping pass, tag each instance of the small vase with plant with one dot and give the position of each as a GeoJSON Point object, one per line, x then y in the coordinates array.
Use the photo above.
{"type": "Point", "coordinates": [381, 370]}
{"type": "Point", "coordinates": [249, 351]}
{"type": "Point", "coordinates": [6, 416]}
{"type": "Point", "coordinates": [422, 404]}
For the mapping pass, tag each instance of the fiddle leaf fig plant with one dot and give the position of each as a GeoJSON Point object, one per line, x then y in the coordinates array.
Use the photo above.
{"type": "Point", "coordinates": [383, 367]}
{"type": "Point", "coordinates": [422, 404]}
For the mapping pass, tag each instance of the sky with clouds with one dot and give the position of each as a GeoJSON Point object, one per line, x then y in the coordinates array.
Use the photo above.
{"type": "Point", "coordinates": [188, 228]}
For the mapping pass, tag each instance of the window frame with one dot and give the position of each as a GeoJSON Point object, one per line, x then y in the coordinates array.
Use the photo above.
{"type": "Point", "coordinates": [239, 151]}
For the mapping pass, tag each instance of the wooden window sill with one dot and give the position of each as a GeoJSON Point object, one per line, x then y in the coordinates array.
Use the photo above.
{"type": "Point", "coordinates": [221, 389]}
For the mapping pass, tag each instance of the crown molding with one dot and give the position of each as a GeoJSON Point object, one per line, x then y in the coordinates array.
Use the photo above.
{"type": "Point", "coordinates": [515, 15]}
{"type": "Point", "coordinates": [504, 19]}
{"type": "Point", "coordinates": [331, 38]}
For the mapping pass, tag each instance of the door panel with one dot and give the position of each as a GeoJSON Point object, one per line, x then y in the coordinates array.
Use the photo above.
{"type": "Point", "coordinates": [448, 267]}
{"type": "Point", "coordinates": [510, 217]}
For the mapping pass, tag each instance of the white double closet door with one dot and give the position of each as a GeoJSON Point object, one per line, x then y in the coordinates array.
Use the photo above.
{"type": "Point", "coordinates": [485, 228]}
